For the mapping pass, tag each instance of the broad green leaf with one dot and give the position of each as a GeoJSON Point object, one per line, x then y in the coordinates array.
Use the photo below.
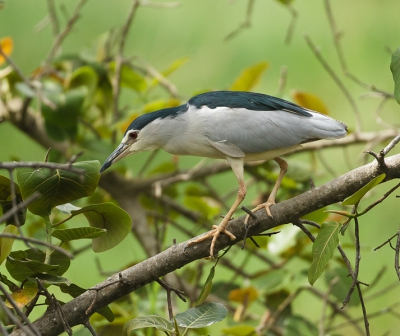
{"type": "Point", "coordinates": [150, 321]}
{"type": "Point", "coordinates": [109, 217]}
{"type": "Point", "coordinates": [310, 101]}
{"type": "Point", "coordinates": [57, 186]}
{"type": "Point", "coordinates": [29, 263]}
{"type": "Point", "coordinates": [358, 195]}
{"type": "Point", "coordinates": [78, 233]}
{"type": "Point", "coordinates": [75, 290]}
{"type": "Point", "coordinates": [323, 249]}
{"type": "Point", "coordinates": [205, 291]}
{"type": "Point", "coordinates": [239, 330]}
{"type": "Point", "coordinates": [86, 76]}
{"type": "Point", "coordinates": [299, 326]}
{"type": "Point", "coordinates": [7, 243]}
{"type": "Point", "coordinates": [5, 188]}
{"type": "Point", "coordinates": [62, 123]}
{"type": "Point", "coordinates": [395, 68]}
{"type": "Point", "coordinates": [202, 316]}
{"type": "Point", "coordinates": [249, 77]}
{"type": "Point", "coordinates": [22, 268]}
{"type": "Point", "coordinates": [22, 296]}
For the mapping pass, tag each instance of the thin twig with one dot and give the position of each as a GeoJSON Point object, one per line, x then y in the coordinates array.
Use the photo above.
{"type": "Point", "coordinates": [59, 39]}
{"type": "Point", "coordinates": [116, 82]}
{"type": "Point", "coordinates": [37, 165]}
{"type": "Point", "coordinates": [53, 17]}
{"type": "Point", "coordinates": [396, 256]}
{"type": "Point", "coordinates": [247, 22]}
{"type": "Point", "coordinates": [337, 80]}
{"type": "Point", "coordinates": [54, 302]}
{"type": "Point", "coordinates": [321, 326]}
{"type": "Point", "coordinates": [39, 242]}
{"type": "Point", "coordinates": [31, 328]}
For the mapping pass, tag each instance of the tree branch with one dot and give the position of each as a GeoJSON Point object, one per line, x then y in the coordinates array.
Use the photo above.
{"type": "Point", "coordinates": [176, 257]}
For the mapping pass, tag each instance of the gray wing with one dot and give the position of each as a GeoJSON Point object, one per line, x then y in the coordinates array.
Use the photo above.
{"type": "Point", "coordinates": [259, 131]}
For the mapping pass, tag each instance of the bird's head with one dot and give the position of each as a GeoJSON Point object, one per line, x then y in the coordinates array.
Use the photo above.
{"type": "Point", "coordinates": [126, 147]}
{"type": "Point", "coordinates": [146, 132]}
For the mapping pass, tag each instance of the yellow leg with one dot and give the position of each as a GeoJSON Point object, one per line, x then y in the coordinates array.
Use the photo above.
{"type": "Point", "coordinates": [271, 199]}
{"type": "Point", "coordinates": [237, 167]}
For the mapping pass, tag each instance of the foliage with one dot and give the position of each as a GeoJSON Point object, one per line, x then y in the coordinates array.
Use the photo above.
{"type": "Point", "coordinates": [83, 101]}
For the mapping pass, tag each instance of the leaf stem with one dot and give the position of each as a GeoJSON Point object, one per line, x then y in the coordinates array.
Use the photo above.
{"type": "Point", "coordinates": [48, 238]}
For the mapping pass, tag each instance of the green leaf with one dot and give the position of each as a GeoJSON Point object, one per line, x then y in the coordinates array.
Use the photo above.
{"type": "Point", "coordinates": [62, 123]}
{"type": "Point", "coordinates": [202, 316]}
{"type": "Point", "coordinates": [358, 195]}
{"type": "Point", "coordinates": [21, 268]}
{"type": "Point", "coordinates": [299, 326]}
{"type": "Point", "coordinates": [87, 77]}
{"type": "Point", "coordinates": [7, 243]}
{"type": "Point", "coordinates": [150, 321]}
{"type": "Point", "coordinates": [50, 279]}
{"type": "Point", "coordinates": [29, 263]}
{"type": "Point", "coordinates": [395, 68]}
{"type": "Point", "coordinates": [57, 186]}
{"type": "Point", "coordinates": [205, 291]}
{"type": "Point", "coordinates": [78, 233]}
{"type": "Point", "coordinates": [6, 200]}
{"type": "Point", "coordinates": [323, 249]}
{"type": "Point", "coordinates": [109, 217]}
{"type": "Point", "coordinates": [75, 290]}
{"type": "Point", "coordinates": [205, 205]}
{"type": "Point", "coordinates": [249, 77]}
{"type": "Point", "coordinates": [129, 78]}
{"type": "Point", "coordinates": [274, 281]}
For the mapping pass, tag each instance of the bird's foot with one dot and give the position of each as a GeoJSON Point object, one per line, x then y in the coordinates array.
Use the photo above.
{"type": "Point", "coordinates": [265, 205]}
{"type": "Point", "coordinates": [214, 233]}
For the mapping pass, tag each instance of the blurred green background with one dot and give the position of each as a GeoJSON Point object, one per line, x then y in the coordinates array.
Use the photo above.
{"type": "Point", "coordinates": [197, 30]}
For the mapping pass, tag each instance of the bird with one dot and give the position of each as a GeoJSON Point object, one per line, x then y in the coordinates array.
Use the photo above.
{"type": "Point", "coordinates": [238, 126]}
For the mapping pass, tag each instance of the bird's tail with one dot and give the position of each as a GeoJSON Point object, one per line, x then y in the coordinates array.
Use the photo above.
{"type": "Point", "coordinates": [325, 127]}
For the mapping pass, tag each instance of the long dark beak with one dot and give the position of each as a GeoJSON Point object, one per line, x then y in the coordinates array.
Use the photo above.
{"type": "Point", "coordinates": [120, 152]}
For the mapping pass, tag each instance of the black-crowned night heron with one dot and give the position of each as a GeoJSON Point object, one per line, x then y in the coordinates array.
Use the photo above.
{"type": "Point", "coordinates": [232, 125]}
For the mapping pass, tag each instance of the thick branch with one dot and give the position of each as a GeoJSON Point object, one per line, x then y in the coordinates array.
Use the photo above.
{"type": "Point", "coordinates": [175, 257]}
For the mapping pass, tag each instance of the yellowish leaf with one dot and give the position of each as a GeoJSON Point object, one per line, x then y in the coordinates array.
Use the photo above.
{"type": "Point", "coordinates": [310, 101]}
{"type": "Point", "coordinates": [7, 46]}
{"type": "Point", "coordinates": [7, 243]}
{"type": "Point", "coordinates": [23, 296]}
{"type": "Point", "coordinates": [243, 295]}
{"type": "Point", "coordinates": [249, 77]}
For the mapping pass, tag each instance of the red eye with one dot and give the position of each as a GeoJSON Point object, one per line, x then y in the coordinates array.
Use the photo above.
{"type": "Point", "coordinates": [133, 135]}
